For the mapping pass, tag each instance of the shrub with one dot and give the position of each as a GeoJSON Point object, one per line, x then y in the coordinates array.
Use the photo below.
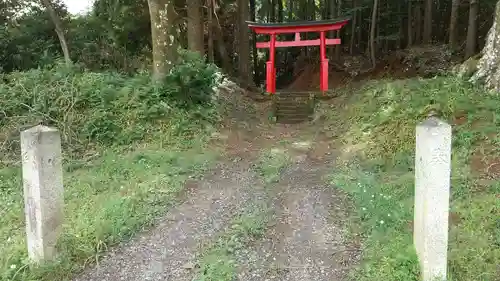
{"type": "Point", "coordinates": [107, 108]}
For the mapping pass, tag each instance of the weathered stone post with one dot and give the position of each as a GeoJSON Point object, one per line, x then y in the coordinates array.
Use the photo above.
{"type": "Point", "coordinates": [43, 190]}
{"type": "Point", "coordinates": [432, 195]}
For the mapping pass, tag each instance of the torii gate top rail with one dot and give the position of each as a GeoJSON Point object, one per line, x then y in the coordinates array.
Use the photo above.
{"type": "Point", "coordinates": [273, 29]}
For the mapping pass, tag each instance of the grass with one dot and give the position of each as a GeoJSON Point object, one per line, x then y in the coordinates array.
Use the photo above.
{"type": "Point", "coordinates": [150, 131]}
{"type": "Point", "coordinates": [218, 262]}
{"type": "Point", "coordinates": [271, 164]}
{"type": "Point", "coordinates": [380, 119]}
{"type": "Point", "coordinates": [107, 200]}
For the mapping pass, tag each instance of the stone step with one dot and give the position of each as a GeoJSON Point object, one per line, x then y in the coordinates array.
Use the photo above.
{"type": "Point", "coordinates": [293, 107]}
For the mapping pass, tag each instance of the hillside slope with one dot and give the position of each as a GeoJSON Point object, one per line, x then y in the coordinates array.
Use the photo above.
{"type": "Point", "coordinates": [377, 129]}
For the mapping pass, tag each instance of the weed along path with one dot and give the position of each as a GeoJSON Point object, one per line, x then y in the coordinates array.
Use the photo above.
{"type": "Point", "coordinates": [306, 240]}
{"type": "Point", "coordinates": [168, 251]}
{"type": "Point", "coordinates": [265, 212]}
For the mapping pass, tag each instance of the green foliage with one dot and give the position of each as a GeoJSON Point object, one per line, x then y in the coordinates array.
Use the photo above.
{"type": "Point", "coordinates": [386, 115]}
{"type": "Point", "coordinates": [30, 43]}
{"type": "Point", "coordinates": [108, 108]}
{"type": "Point", "coordinates": [272, 163]}
{"type": "Point", "coordinates": [382, 116]}
{"type": "Point", "coordinates": [218, 262]}
{"type": "Point", "coordinates": [107, 200]}
{"type": "Point", "coordinates": [115, 36]}
{"type": "Point", "coordinates": [383, 212]}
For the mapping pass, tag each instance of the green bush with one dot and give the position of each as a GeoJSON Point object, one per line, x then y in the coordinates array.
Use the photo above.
{"type": "Point", "coordinates": [107, 108]}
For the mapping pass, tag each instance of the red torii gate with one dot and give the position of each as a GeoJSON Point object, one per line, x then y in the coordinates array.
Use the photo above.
{"type": "Point", "coordinates": [273, 29]}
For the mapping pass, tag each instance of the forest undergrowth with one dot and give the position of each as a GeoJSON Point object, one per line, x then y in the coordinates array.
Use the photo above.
{"type": "Point", "coordinates": [378, 139]}
{"type": "Point", "coordinates": [129, 146]}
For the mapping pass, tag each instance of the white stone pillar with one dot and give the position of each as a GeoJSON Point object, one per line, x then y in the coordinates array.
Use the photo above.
{"type": "Point", "coordinates": [432, 195]}
{"type": "Point", "coordinates": [43, 190]}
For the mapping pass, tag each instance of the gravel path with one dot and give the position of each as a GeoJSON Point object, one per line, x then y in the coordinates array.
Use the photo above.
{"type": "Point", "coordinates": [168, 251]}
{"type": "Point", "coordinates": [306, 243]}
{"type": "Point", "coordinates": [305, 240]}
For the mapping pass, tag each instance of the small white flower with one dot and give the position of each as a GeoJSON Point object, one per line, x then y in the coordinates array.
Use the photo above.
{"type": "Point", "coordinates": [388, 215]}
{"type": "Point", "coordinates": [364, 190]}
{"type": "Point", "coordinates": [382, 222]}
{"type": "Point", "coordinates": [364, 209]}
{"type": "Point", "coordinates": [12, 266]}
{"type": "Point", "coordinates": [373, 195]}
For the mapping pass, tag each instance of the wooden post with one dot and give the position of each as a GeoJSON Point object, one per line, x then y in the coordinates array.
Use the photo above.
{"type": "Point", "coordinates": [432, 194]}
{"type": "Point", "coordinates": [323, 80]}
{"type": "Point", "coordinates": [43, 190]}
{"type": "Point", "coordinates": [272, 50]}
{"type": "Point", "coordinates": [269, 77]}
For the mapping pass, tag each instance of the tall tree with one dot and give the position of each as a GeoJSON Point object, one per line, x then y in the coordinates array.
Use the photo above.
{"type": "Point", "coordinates": [410, 24]}
{"type": "Point", "coordinates": [488, 70]}
{"type": "Point", "coordinates": [470, 47]}
{"type": "Point", "coordinates": [455, 4]}
{"type": "Point", "coordinates": [418, 21]}
{"type": "Point", "coordinates": [353, 25]}
{"type": "Point", "coordinates": [337, 14]}
{"type": "Point", "coordinates": [254, 41]}
{"type": "Point", "coordinates": [244, 42]}
{"type": "Point", "coordinates": [195, 32]}
{"type": "Point", "coordinates": [163, 36]}
{"type": "Point", "coordinates": [221, 46]}
{"type": "Point", "coordinates": [372, 32]}
{"type": "Point", "coordinates": [59, 29]}
{"type": "Point", "coordinates": [210, 19]}
{"type": "Point", "coordinates": [333, 13]}
{"type": "Point", "coordinates": [427, 22]}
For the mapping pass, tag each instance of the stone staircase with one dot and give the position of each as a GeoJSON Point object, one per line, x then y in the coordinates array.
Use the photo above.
{"type": "Point", "coordinates": [293, 107]}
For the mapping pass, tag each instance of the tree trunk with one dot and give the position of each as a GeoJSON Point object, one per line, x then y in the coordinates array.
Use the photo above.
{"type": "Point", "coordinates": [333, 13]}
{"type": "Point", "coordinates": [410, 23]}
{"type": "Point", "coordinates": [272, 11]}
{"type": "Point", "coordinates": [418, 22]}
{"type": "Point", "coordinates": [427, 36]}
{"type": "Point", "coordinates": [353, 26]}
{"type": "Point", "coordinates": [59, 30]}
{"type": "Point", "coordinates": [221, 48]}
{"type": "Point", "coordinates": [312, 12]}
{"type": "Point", "coordinates": [470, 48]}
{"type": "Point", "coordinates": [280, 10]}
{"type": "Point", "coordinates": [254, 41]}
{"type": "Point", "coordinates": [454, 23]}
{"type": "Point", "coordinates": [401, 26]}
{"type": "Point", "coordinates": [360, 30]}
{"type": "Point", "coordinates": [372, 32]}
{"type": "Point", "coordinates": [337, 47]}
{"type": "Point", "coordinates": [163, 36]}
{"type": "Point", "coordinates": [210, 20]}
{"type": "Point", "coordinates": [195, 27]}
{"type": "Point", "coordinates": [488, 71]}
{"type": "Point", "coordinates": [244, 43]}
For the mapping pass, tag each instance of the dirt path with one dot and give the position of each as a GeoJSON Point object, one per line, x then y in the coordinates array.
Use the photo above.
{"type": "Point", "coordinates": [304, 239]}
{"type": "Point", "coordinates": [307, 240]}
{"type": "Point", "coordinates": [168, 251]}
